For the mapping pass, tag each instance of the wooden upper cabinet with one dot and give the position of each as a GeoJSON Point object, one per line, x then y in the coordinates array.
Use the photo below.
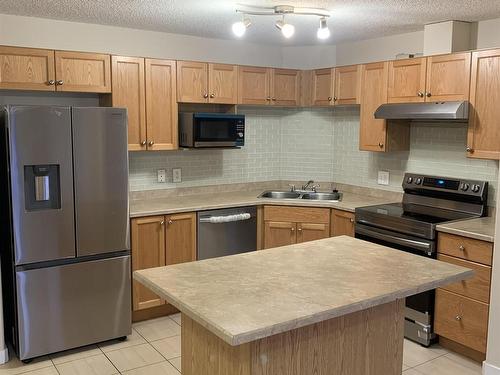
{"type": "Point", "coordinates": [83, 72]}
{"type": "Point", "coordinates": [180, 238]}
{"type": "Point", "coordinates": [27, 69]}
{"type": "Point", "coordinates": [129, 92]}
{"type": "Point", "coordinates": [148, 250]}
{"type": "Point", "coordinates": [285, 87]}
{"type": "Point", "coordinates": [448, 77]}
{"type": "Point", "coordinates": [192, 82]}
{"type": "Point", "coordinates": [323, 86]}
{"type": "Point", "coordinates": [347, 85]}
{"type": "Point", "coordinates": [483, 139]}
{"type": "Point", "coordinates": [161, 105]}
{"type": "Point", "coordinates": [312, 231]}
{"type": "Point", "coordinates": [342, 223]}
{"type": "Point", "coordinates": [279, 233]}
{"type": "Point", "coordinates": [254, 85]}
{"type": "Point", "coordinates": [407, 80]}
{"type": "Point", "coordinates": [223, 83]}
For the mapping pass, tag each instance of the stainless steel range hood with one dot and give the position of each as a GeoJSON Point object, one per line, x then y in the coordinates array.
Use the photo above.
{"type": "Point", "coordinates": [441, 111]}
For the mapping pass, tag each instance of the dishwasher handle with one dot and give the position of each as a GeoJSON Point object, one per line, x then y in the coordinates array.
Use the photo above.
{"type": "Point", "coordinates": [225, 219]}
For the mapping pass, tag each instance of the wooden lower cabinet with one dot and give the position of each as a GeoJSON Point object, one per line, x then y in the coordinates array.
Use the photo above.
{"type": "Point", "coordinates": [285, 225]}
{"type": "Point", "coordinates": [159, 241]}
{"type": "Point", "coordinates": [342, 223]}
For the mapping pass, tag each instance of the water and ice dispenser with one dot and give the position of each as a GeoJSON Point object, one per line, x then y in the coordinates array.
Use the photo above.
{"type": "Point", "coordinates": [42, 187]}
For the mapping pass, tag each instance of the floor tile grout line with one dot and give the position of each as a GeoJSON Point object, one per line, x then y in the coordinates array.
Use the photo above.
{"type": "Point", "coordinates": [119, 372]}
{"type": "Point", "coordinates": [173, 364]}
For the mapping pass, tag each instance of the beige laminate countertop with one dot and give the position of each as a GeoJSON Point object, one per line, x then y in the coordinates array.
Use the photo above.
{"type": "Point", "coordinates": [201, 202]}
{"type": "Point", "coordinates": [245, 297]}
{"type": "Point", "coordinates": [480, 229]}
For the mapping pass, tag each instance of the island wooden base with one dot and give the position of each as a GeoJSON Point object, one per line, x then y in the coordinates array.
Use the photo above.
{"type": "Point", "coordinates": [369, 342]}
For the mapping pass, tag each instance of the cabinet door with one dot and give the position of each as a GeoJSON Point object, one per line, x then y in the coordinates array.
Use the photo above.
{"type": "Point", "coordinates": [83, 72]}
{"type": "Point", "coordinates": [407, 80]}
{"type": "Point", "coordinates": [312, 231]}
{"type": "Point", "coordinates": [192, 82]}
{"type": "Point", "coordinates": [483, 138]}
{"type": "Point", "coordinates": [223, 83]}
{"type": "Point", "coordinates": [129, 92]}
{"type": "Point", "coordinates": [148, 251]}
{"type": "Point", "coordinates": [342, 223]}
{"type": "Point", "coordinates": [27, 69]}
{"type": "Point", "coordinates": [279, 233]}
{"type": "Point", "coordinates": [448, 77]}
{"type": "Point", "coordinates": [373, 132]}
{"type": "Point", "coordinates": [161, 105]}
{"type": "Point", "coordinates": [322, 90]}
{"type": "Point", "coordinates": [254, 85]}
{"type": "Point", "coordinates": [347, 85]}
{"type": "Point", "coordinates": [180, 238]}
{"type": "Point", "coordinates": [285, 87]}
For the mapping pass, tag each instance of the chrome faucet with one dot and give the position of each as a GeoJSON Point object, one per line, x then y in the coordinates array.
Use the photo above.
{"type": "Point", "coordinates": [308, 183]}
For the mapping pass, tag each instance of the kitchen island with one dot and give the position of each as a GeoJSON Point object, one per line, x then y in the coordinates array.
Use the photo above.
{"type": "Point", "coordinates": [333, 306]}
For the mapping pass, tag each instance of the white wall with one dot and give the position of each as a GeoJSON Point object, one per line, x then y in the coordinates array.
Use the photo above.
{"type": "Point", "coordinates": [488, 34]}
{"type": "Point", "coordinates": [309, 57]}
{"type": "Point", "coordinates": [52, 34]}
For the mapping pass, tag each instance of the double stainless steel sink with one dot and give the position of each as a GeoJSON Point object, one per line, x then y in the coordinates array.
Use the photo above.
{"type": "Point", "coordinates": [311, 195]}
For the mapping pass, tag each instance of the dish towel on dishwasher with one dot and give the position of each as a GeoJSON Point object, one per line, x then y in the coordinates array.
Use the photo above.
{"type": "Point", "coordinates": [229, 218]}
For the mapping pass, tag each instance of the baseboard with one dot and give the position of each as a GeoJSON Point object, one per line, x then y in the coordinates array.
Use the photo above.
{"type": "Point", "coordinates": [490, 369]}
{"type": "Point", "coordinates": [4, 356]}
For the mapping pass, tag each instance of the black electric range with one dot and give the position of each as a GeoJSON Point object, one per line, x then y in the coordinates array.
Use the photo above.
{"type": "Point", "coordinates": [410, 226]}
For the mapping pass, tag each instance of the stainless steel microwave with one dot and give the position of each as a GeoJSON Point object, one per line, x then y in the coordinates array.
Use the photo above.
{"type": "Point", "coordinates": [210, 130]}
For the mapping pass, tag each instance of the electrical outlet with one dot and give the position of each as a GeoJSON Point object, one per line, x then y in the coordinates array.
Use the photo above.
{"type": "Point", "coordinates": [177, 175]}
{"type": "Point", "coordinates": [162, 175]}
{"type": "Point", "coordinates": [383, 178]}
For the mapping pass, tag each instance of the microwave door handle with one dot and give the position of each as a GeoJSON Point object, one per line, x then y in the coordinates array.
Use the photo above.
{"type": "Point", "coordinates": [225, 219]}
{"type": "Point", "coordinates": [417, 245]}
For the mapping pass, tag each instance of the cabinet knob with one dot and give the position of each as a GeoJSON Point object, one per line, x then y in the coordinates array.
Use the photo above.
{"type": "Point", "coordinates": [151, 143]}
{"type": "Point", "coordinates": [205, 95]}
{"type": "Point", "coordinates": [143, 143]}
{"type": "Point", "coordinates": [330, 98]}
{"type": "Point", "coordinates": [60, 82]}
{"type": "Point", "coordinates": [458, 318]}
{"type": "Point", "coordinates": [335, 98]}
{"type": "Point", "coordinates": [273, 99]}
{"type": "Point", "coordinates": [351, 220]}
{"type": "Point", "coordinates": [381, 145]}
{"type": "Point", "coordinates": [420, 94]}
{"type": "Point", "coordinates": [469, 149]}
{"type": "Point", "coordinates": [300, 229]}
{"type": "Point", "coordinates": [292, 229]}
{"type": "Point", "coordinates": [162, 222]}
{"type": "Point", "coordinates": [51, 82]}
{"type": "Point", "coordinates": [212, 96]}
{"type": "Point", "coordinates": [268, 98]}
{"type": "Point", "coordinates": [428, 94]}
{"type": "Point", "coordinates": [461, 248]}
{"type": "Point", "coordinates": [170, 222]}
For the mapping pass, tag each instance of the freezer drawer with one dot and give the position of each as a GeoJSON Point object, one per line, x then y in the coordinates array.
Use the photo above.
{"type": "Point", "coordinates": [72, 305]}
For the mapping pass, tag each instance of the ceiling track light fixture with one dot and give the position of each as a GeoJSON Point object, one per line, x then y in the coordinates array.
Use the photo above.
{"type": "Point", "coordinates": [239, 28]}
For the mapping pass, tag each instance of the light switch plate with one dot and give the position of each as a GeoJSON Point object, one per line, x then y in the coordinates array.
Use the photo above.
{"type": "Point", "coordinates": [162, 175]}
{"type": "Point", "coordinates": [177, 175]}
{"type": "Point", "coordinates": [383, 178]}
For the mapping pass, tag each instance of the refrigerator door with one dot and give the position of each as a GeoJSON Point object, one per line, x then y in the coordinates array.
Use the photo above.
{"type": "Point", "coordinates": [41, 183]}
{"type": "Point", "coordinates": [101, 180]}
{"type": "Point", "coordinates": [72, 305]}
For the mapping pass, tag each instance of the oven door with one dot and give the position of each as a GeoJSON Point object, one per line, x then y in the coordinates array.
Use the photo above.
{"type": "Point", "coordinates": [215, 131]}
{"type": "Point", "coordinates": [419, 313]}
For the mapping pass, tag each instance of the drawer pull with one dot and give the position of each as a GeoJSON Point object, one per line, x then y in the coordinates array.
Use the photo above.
{"type": "Point", "coordinates": [461, 248]}
{"type": "Point", "coordinates": [458, 318]}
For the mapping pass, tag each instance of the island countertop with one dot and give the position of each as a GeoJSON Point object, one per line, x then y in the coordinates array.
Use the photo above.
{"type": "Point", "coordinates": [246, 297]}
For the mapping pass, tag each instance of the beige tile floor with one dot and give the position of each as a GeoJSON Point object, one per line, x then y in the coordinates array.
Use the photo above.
{"type": "Point", "coordinates": [155, 348]}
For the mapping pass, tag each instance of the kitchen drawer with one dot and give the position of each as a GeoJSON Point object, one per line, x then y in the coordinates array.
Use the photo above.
{"type": "Point", "coordinates": [297, 214]}
{"type": "Point", "coordinates": [478, 287]}
{"type": "Point", "coordinates": [465, 248]}
{"type": "Point", "coordinates": [461, 319]}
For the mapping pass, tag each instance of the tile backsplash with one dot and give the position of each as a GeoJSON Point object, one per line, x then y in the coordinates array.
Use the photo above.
{"type": "Point", "coordinates": [318, 144]}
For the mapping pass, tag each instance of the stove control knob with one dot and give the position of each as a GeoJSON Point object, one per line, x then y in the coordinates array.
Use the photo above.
{"type": "Point", "coordinates": [418, 181]}
{"type": "Point", "coordinates": [409, 180]}
{"type": "Point", "coordinates": [476, 188]}
{"type": "Point", "coordinates": [465, 187]}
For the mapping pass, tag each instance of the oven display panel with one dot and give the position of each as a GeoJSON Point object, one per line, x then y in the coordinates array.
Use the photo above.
{"type": "Point", "coordinates": [441, 183]}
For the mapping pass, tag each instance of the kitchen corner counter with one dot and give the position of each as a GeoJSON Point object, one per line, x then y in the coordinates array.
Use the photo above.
{"type": "Point", "coordinates": [201, 202]}
{"type": "Point", "coordinates": [480, 229]}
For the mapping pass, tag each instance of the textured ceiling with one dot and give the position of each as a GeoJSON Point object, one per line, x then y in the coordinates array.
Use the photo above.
{"type": "Point", "coordinates": [351, 19]}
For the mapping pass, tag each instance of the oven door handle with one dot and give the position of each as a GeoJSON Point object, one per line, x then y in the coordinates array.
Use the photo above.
{"type": "Point", "coordinates": [417, 245]}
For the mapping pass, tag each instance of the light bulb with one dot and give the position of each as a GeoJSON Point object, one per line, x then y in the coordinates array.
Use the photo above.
{"type": "Point", "coordinates": [240, 27]}
{"type": "Point", "coordinates": [323, 30]}
{"type": "Point", "coordinates": [288, 30]}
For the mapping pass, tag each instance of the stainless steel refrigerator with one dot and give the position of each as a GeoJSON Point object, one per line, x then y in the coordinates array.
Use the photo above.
{"type": "Point", "coordinates": [65, 248]}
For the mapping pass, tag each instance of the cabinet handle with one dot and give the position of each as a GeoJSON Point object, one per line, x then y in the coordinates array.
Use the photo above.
{"type": "Point", "coordinates": [205, 95]}
{"type": "Point", "coordinates": [329, 98]}
{"type": "Point", "coordinates": [170, 222]}
{"type": "Point", "coordinates": [60, 82]}
{"type": "Point", "coordinates": [273, 99]}
{"type": "Point", "coordinates": [162, 222]}
{"type": "Point", "coordinates": [51, 82]}
{"type": "Point", "coordinates": [268, 98]}
{"type": "Point", "coordinates": [212, 96]}
{"type": "Point", "coordinates": [300, 229]}
{"type": "Point", "coordinates": [428, 94]}
{"type": "Point", "coordinates": [292, 229]}
{"type": "Point", "coordinates": [461, 248]}
{"type": "Point", "coordinates": [335, 98]}
{"type": "Point", "coordinates": [469, 149]}
{"type": "Point", "coordinates": [351, 220]}
{"type": "Point", "coordinates": [381, 145]}
{"type": "Point", "coordinates": [151, 143]}
{"type": "Point", "coordinates": [143, 143]}
{"type": "Point", "coordinates": [458, 318]}
{"type": "Point", "coordinates": [420, 94]}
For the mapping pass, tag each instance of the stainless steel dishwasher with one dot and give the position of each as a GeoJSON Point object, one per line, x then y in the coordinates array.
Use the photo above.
{"type": "Point", "coordinates": [227, 232]}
